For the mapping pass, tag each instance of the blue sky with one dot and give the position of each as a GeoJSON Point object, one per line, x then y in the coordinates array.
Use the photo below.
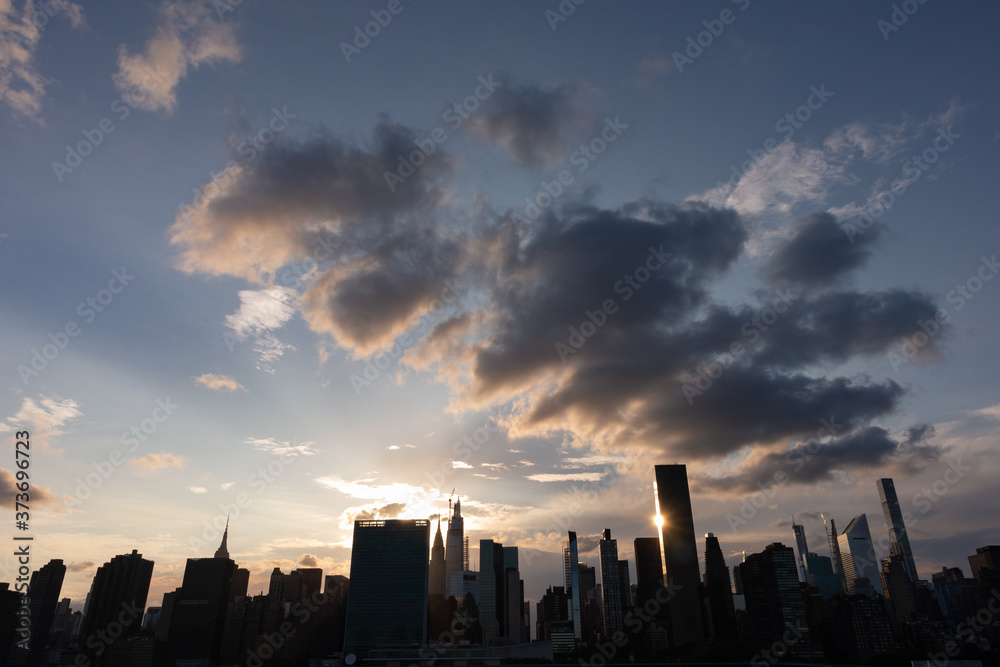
{"type": "Point", "coordinates": [227, 151]}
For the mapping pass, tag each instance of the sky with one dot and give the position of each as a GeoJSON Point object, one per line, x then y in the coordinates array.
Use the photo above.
{"type": "Point", "coordinates": [301, 263]}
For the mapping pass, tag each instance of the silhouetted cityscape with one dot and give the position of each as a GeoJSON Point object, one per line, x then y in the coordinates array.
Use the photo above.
{"type": "Point", "coordinates": [412, 599]}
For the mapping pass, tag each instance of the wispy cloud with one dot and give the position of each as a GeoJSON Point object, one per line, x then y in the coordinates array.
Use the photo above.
{"type": "Point", "coordinates": [22, 86]}
{"type": "Point", "coordinates": [188, 35]}
{"type": "Point", "coordinates": [567, 477]}
{"type": "Point", "coordinates": [260, 312]}
{"type": "Point", "coordinates": [151, 462]}
{"type": "Point", "coordinates": [44, 417]}
{"type": "Point", "coordinates": [282, 447]}
{"type": "Point", "coordinates": [197, 489]}
{"type": "Point", "coordinates": [217, 382]}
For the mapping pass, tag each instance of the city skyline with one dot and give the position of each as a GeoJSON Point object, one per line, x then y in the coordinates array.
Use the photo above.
{"type": "Point", "coordinates": [259, 271]}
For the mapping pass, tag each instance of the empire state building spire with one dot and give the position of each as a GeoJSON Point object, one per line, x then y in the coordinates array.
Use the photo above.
{"type": "Point", "coordinates": [223, 550]}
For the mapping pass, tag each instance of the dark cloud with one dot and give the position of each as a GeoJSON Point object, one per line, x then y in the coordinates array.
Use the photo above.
{"type": "Point", "coordinates": [288, 202]}
{"type": "Point", "coordinates": [816, 460]}
{"type": "Point", "coordinates": [40, 495]}
{"type": "Point", "coordinates": [536, 124]}
{"type": "Point", "coordinates": [819, 253]}
{"type": "Point", "coordinates": [390, 511]}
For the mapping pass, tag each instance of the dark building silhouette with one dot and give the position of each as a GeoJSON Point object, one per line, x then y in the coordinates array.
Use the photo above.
{"type": "Point", "coordinates": [552, 608]}
{"type": "Point", "coordinates": [679, 551]}
{"type": "Point", "coordinates": [198, 613]}
{"type": "Point", "coordinates": [116, 603]}
{"type": "Point", "coordinates": [43, 592]}
{"type": "Point", "coordinates": [860, 629]}
{"type": "Point", "coordinates": [387, 605]}
{"type": "Point", "coordinates": [571, 563]}
{"type": "Point", "coordinates": [591, 611]}
{"type": "Point", "coordinates": [241, 582]}
{"type": "Point", "coordinates": [718, 592]}
{"type": "Point", "coordinates": [311, 579]}
{"type": "Point", "coordinates": [985, 566]}
{"type": "Point", "coordinates": [10, 602]}
{"type": "Point", "coordinates": [438, 571]}
{"type": "Point", "coordinates": [899, 542]}
{"type": "Point", "coordinates": [611, 591]}
{"type": "Point", "coordinates": [820, 575]}
{"type": "Point", "coordinates": [899, 592]}
{"type": "Point", "coordinates": [955, 594]}
{"type": "Point", "coordinates": [625, 586]}
{"type": "Point", "coordinates": [775, 604]}
{"type": "Point", "coordinates": [649, 594]}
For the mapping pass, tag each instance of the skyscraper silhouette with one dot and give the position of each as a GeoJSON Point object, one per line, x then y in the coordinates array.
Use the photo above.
{"type": "Point", "coordinates": [719, 591]}
{"type": "Point", "coordinates": [571, 562]}
{"type": "Point", "coordinates": [610, 584]}
{"type": "Point", "coordinates": [899, 542]}
{"type": "Point", "coordinates": [454, 556]}
{"type": "Point", "coordinates": [115, 604]}
{"type": "Point", "coordinates": [198, 616]}
{"type": "Point", "coordinates": [801, 547]}
{"type": "Point", "coordinates": [438, 567]}
{"type": "Point", "coordinates": [857, 553]}
{"type": "Point", "coordinates": [43, 592]}
{"type": "Point", "coordinates": [387, 604]}
{"type": "Point", "coordinates": [680, 552]}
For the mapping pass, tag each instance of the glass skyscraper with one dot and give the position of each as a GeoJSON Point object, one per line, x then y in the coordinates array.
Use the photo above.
{"type": "Point", "coordinates": [899, 543]}
{"type": "Point", "coordinates": [387, 605]}
{"type": "Point", "coordinates": [679, 549]}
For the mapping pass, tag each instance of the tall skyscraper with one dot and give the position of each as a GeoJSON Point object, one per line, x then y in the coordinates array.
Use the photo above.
{"type": "Point", "coordinates": [571, 562]}
{"type": "Point", "coordinates": [719, 591]}
{"type": "Point", "coordinates": [438, 568]}
{"type": "Point", "coordinates": [625, 587]}
{"type": "Point", "coordinates": [899, 543]}
{"type": "Point", "coordinates": [454, 556]}
{"type": "Point", "coordinates": [774, 600]}
{"type": "Point", "coordinates": [311, 580]}
{"type": "Point", "coordinates": [241, 582]}
{"type": "Point", "coordinates": [679, 551]}
{"type": "Point", "coordinates": [611, 584]}
{"type": "Point", "coordinates": [389, 576]}
{"type": "Point", "coordinates": [857, 552]}
{"type": "Point", "coordinates": [198, 620]}
{"type": "Point", "coordinates": [117, 595]}
{"type": "Point", "coordinates": [802, 547]}
{"type": "Point", "coordinates": [43, 593]}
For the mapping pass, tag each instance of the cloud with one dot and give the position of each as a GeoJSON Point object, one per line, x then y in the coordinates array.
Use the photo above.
{"type": "Point", "coordinates": [276, 447]}
{"type": "Point", "coordinates": [43, 417]}
{"type": "Point", "coordinates": [151, 462]}
{"type": "Point", "coordinates": [317, 198]}
{"type": "Point", "coordinates": [813, 461]}
{"type": "Point", "coordinates": [654, 66]}
{"type": "Point", "coordinates": [392, 448]}
{"type": "Point", "coordinates": [83, 566]}
{"type": "Point", "coordinates": [567, 477]}
{"type": "Point", "coordinates": [227, 485]}
{"type": "Point", "coordinates": [41, 496]}
{"type": "Point", "coordinates": [991, 412]}
{"type": "Point", "coordinates": [223, 383]}
{"type": "Point", "coordinates": [457, 465]}
{"type": "Point", "coordinates": [188, 35]}
{"type": "Point", "coordinates": [308, 560]}
{"type": "Point", "coordinates": [818, 253]}
{"type": "Point", "coordinates": [197, 489]}
{"type": "Point", "coordinates": [22, 86]}
{"type": "Point", "coordinates": [535, 124]}
{"type": "Point", "coordinates": [260, 312]}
